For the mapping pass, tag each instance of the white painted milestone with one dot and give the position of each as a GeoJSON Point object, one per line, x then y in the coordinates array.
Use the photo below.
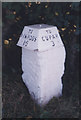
{"type": "Point", "coordinates": [43, 58]}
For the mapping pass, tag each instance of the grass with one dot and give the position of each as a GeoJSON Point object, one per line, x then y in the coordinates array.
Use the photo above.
{"type": "Point", "coordinates": [17, 102]}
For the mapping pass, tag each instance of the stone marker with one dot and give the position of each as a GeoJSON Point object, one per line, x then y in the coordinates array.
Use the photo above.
{"type": "Point", "coordinates": [43, 57]}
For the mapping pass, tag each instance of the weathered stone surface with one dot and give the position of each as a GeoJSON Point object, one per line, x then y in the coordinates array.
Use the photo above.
{"type": "Point", "coordinates": [43, 64]}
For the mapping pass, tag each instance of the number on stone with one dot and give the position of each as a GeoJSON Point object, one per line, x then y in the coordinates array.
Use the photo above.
{"type": "Point", "coordinates": [25, 43]}
{"type": "Point", "coordinates": [53, 44]}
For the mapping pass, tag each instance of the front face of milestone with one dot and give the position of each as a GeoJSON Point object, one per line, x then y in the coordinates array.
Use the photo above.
{"type": "Point", "coordinates": [41, 37]}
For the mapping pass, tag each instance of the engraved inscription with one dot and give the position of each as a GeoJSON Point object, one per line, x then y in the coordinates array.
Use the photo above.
{"type": "Point", "coordinates": [28, 37]}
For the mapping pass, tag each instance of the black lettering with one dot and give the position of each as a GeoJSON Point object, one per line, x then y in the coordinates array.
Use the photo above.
{"type": "Point", "coordinates": [50, 37]}
{"type": "Point", "coordinates": [56, 35]}
{"type": "Point", "coordinates": [35, 39]}
{"type": "Point", "coordinates": [53, 36]}
{"type": "Point", "coordinates": [53, 44]}
{"type": "Point", "coordinates": [25, 36]}
{"type": "Point", "coordinates": [48, 31]}
{"type": "Point", "coordinates": [30, 31]}
{"type": "Point", "coordinates": [43, 39]}
{"type": "Point", "coordinates": [30, 37]}
{"type": "Point", "coordinates": [46, 37]}
{"type": "Point", "coordinates": [25, 43]}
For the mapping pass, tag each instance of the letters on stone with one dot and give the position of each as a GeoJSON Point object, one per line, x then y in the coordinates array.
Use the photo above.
{"type": "Point", "coordinates": [29, 37]}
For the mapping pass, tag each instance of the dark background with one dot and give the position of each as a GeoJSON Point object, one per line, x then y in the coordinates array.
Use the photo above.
{"type": "Point", "coordinates": [17, 103]}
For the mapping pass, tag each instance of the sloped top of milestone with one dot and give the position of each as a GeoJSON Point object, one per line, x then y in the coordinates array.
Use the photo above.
{"type": "Point", "coordinates": [40, 37]}
{"type": "Point", "coordinates": [41, 26]}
